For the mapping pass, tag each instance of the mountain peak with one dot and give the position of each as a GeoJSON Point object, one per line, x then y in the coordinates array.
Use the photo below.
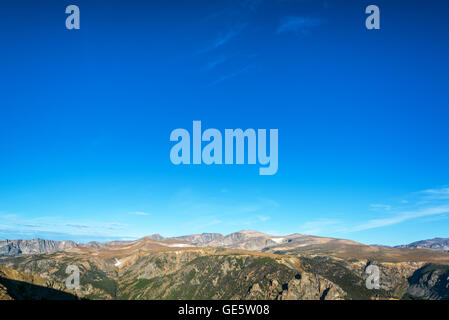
{"type": "Point", "coordinates": [441, 244]}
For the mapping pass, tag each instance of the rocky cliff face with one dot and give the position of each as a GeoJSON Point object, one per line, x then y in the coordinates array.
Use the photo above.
{"type": "Point", "coordinates": [198, 239]}
{"type": "Point", "coordinates": [430, 282]}
{"type": "Point", "coordinates": [222, 275]}
{"type": "Point", "coordinates": [33, 246]}
{"type": "Point", "coordinates": [40, 246]}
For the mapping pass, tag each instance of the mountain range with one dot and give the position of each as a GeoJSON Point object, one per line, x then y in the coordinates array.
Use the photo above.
{"type": "Point", "coordinates": [241, 265]}
{"type": "Point", "coordinates": [245, 239]}
{"type": "Point", "coordinates": [435, 243]}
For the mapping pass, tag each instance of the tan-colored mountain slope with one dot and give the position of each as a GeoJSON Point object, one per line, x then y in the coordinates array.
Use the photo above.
{"type": "Point", "coordinates": [245, 239]}
{"type": "Point", "coordinates": [188, 273]}
{"type": "Point", "coordinates": [290, 267]}
{"type": "Point", "coordinates": [344, 250]}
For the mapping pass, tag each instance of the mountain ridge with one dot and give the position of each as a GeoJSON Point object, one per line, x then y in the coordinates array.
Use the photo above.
{"type": "Point", "coordinates": [243, 239]}
{"type": "Point", "coordinates": [241, 265]}
{"type": "Point", "coordinates": [441, 244]}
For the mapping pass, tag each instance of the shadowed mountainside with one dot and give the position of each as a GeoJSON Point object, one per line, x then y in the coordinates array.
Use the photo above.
{"type": "Point", "coordinates": [21, 286]}
{"type": "Point", "coordinates": [429, 282]}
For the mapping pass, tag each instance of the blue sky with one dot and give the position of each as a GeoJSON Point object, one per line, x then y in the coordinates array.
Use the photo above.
{"type": "Point", "coordinates": [86, 115]}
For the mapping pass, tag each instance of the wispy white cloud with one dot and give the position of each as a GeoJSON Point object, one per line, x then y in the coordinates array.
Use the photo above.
{"type": "Point", "coordinates": [321, 226]}
{"type": "Point", "coordinates": [435, 206]}
{"type": "Point", "coordinates": [58, 225]}
{"type": "Point", "coordinates": [401, 217]}
{"type": "Point", "coordinates": [224, 38]}
{"type": "Point", "coordinates": [251, 4]}
{"type": "Point", "coordinates": [216, 62]}
{"type": "Point", "coordinates": [204, 212]}
{"type": "Point", "coordinates": [263, 218]}
{"type": "Point", "coordinates": [139, 213]}
{"type": "Point", "coordinates": [80, 226]}
{"type": "Point", "coordinates": [378, 206]}
{"type": "Point", "coordinates": [230, 75]}
{"type": "Point", "coordinates": [202, 224]}
{"type": "Point", "coordinates": [436, 194]}
{"type": "Point", "coordinates": [299, 24]}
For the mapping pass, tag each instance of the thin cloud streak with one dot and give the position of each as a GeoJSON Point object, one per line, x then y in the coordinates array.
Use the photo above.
{"type": "Point", "coordinates": [401, 217]}
{"type": "Point", "coordinates": [410, 209]}
{"type": "Point", "coordinates": [139, 213]}
{"type": "Point", "coordinates": [378, 206]}
{"type": "Point", "coordinates": [214, 63]}
{"type": "Point", "coordinates": [224, 38]}
{"type": "Point", "coordinates": [230, 75]}
{"type": "Point", "coordinates": [39, 227]}
{"type": "Point", "coordinates": [437, 194]}
{"type": "Point", "coordinates": [298, 24]}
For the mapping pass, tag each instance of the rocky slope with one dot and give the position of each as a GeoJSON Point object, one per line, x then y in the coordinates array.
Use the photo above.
{"type": "Point", "coordinates": [33, 246]}
{"type": "Point", "coordinates": [253, 240]}
{"type": "Point", "coordinates": [147, 269]}
{"type": "Point", "coordinates": [15, 285]}
{"type": "Point", "coordinates": [213, 266]}
{"type": "Point", "coordinates": [429, 282]}
{"type": "Point", "coordinates": [39, 246]}
{"type": "Point", "coordinates": [211, 274]}
{"type": "Point", "coordinates": [149, 273]}
{"type": "Point", "coordinates": [436, 243]}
